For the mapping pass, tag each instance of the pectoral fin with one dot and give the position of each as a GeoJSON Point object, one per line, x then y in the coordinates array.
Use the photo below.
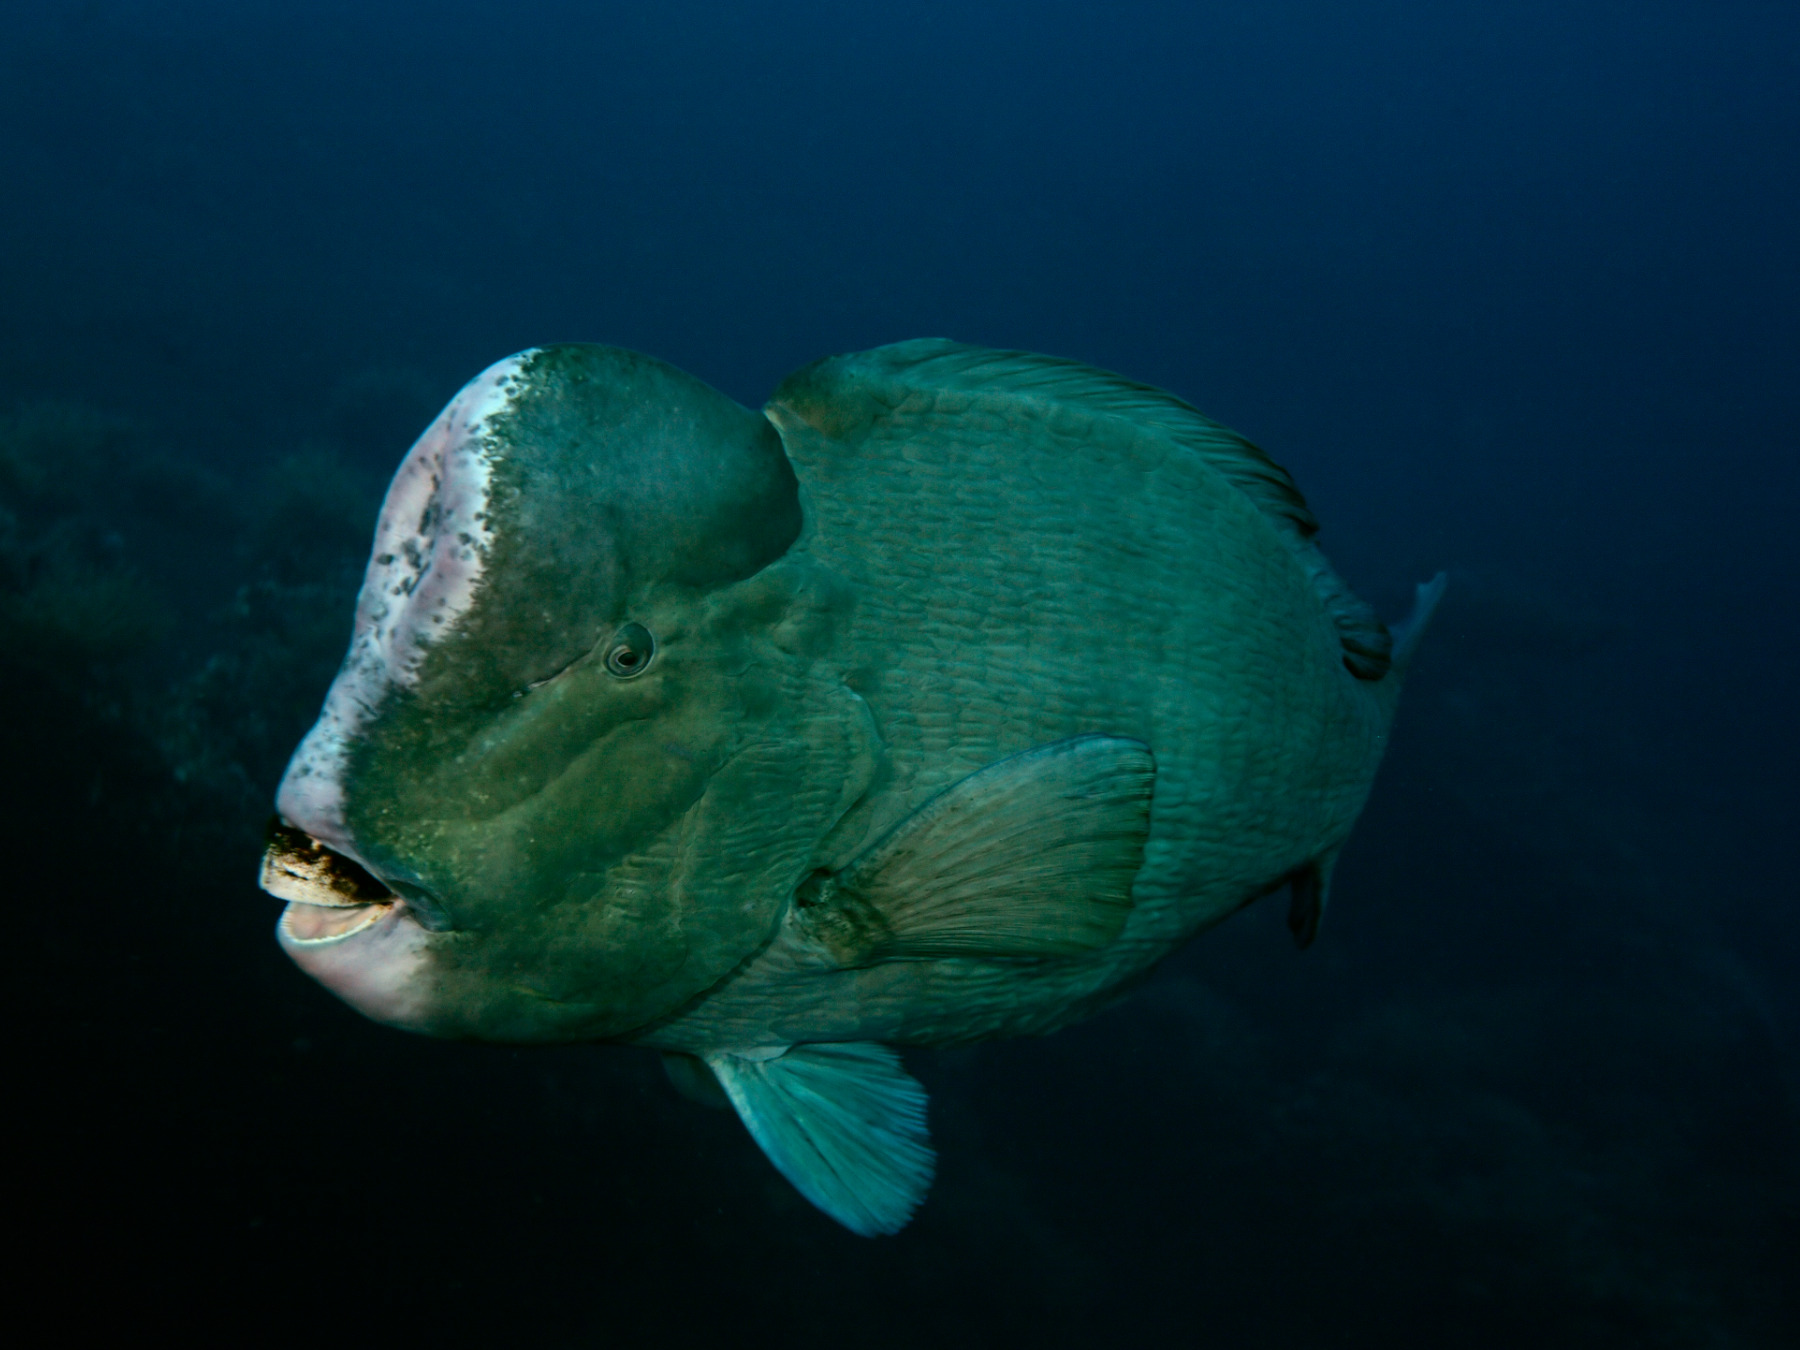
{"type": "Point", "coordinates": [1033, 856]}
{"type": "Point", "coordinates": [844, 1123]}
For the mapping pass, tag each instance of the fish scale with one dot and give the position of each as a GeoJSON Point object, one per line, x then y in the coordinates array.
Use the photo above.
{"type": "Point", "coordinates": [869, 509]}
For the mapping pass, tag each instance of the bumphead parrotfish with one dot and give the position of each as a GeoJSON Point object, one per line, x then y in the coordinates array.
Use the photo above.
{"type": "Point", "coordinates": [937, 701]}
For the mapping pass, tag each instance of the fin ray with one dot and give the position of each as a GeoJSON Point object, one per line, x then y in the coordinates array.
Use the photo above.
{"type": "Point", "coordinates": [1308, 890]}
{"type": "Point", "coordinates": [1032, 856]}
{"type": "Point", "coordinates": [845, 1123]}
{"type": "Point", "coordinates": [1408, 632]}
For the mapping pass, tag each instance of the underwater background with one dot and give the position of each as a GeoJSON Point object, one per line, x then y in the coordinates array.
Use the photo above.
{"type": "Point", "coordinates": [1512, 288]}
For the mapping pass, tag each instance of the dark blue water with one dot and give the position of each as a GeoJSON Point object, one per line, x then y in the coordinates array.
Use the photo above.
{"type": "Point", "coordinates": [1512, 288]}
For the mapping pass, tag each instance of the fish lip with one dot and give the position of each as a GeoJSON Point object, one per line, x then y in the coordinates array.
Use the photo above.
{"type": "Point", "coordinates": [300, 867]}
{"type": "Point", "coordinates": [375, 957]}
{"type": "Point", "coordinates": [332, 897]}
{"type": "Point", "coordinates": [426, 909]}
{"type": "Point", "coordinates": [333, 924]}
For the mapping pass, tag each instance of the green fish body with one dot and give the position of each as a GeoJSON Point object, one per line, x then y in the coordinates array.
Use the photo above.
{"type": "Point", "coordinates": [936, 703]}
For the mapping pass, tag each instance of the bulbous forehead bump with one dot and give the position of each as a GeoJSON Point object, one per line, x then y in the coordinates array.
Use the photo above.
{"type": "Point", "coordinates": [432, 543]}
{"type": "Point", "coordinates": [558, 485]}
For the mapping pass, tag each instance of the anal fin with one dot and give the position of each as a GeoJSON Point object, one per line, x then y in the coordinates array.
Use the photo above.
{"type": "Point", "coordinates": [1308, 890]}
{"type": "Point", "coordinates": [689, 1076]}
{"type": "Point", "coordinates": [844, 1123]}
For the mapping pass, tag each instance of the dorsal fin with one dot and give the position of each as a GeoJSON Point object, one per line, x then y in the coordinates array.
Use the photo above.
{"type": "Point", "coordinates": [938, 363]}
{"type": "Point", "coordinates": [943, 364]}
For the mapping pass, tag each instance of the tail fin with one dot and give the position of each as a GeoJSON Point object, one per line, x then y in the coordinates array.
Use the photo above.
{"type": "Point", "coordinates": [1408, 632]}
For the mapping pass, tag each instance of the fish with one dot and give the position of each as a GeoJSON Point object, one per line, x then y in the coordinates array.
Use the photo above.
{"type": "Point", "coordinates": [936, 701]}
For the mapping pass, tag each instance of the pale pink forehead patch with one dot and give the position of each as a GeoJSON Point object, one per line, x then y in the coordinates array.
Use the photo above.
{"type": "Point", "coordinates": [431, 546]}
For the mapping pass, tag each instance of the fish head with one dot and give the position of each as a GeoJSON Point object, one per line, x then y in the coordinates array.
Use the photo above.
{"type": "Point", "coordinates": [576, 759]}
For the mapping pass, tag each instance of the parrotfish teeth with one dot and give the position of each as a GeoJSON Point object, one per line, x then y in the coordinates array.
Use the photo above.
{"type": "Point", "coordinates": [296, 867]}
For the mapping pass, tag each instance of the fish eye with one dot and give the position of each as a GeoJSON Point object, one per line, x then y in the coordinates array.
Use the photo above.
{"type": "Point", "coordinates": [630, 651]}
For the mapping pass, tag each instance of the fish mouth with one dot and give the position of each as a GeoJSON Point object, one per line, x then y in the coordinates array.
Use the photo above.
{"type": "Point", "coordinates": [317, 925]}
{"type": "Point", "coordinates": [330, 898]}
